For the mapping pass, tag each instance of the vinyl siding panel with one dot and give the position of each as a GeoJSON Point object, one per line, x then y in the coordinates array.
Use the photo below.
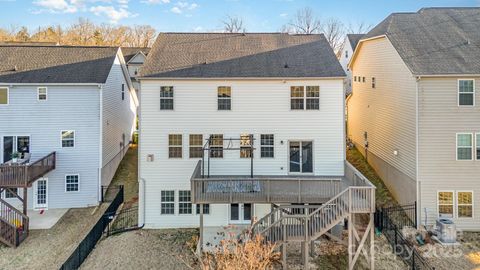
{"type": "Point", "coordinates": [67, 108]}
{"type": "Point", "coordinates": [119, 117]}
{"type": "Point", "coordinates": [258, 107]}
{"type": "Point", "coordinates": [440, 118]}
{"type": "Point", "coordinates": [386, 113]}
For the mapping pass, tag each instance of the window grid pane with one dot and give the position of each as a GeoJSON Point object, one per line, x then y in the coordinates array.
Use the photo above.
{"type": "Point", "coordinates": [267, 145]}
{"type": "Point", "coordinates": [175, 145]}
{"type": "Point", "coordinates": [196, 145]}
{"type": "Point", "coordinates": [71, 183]}
{"type": "Point", "coordinates": [166, 98]}
{"type": "Point", "coordinates": [68, 138]}
{"type": "Point", "coordinates": [224, 94]}
{"type": "Point", "coordinates": [184, 202]}
{"type": "Point", "coordinates": [3, 96]}
{"type": "Point", "coordinates": [445, 204]}
{"type": "Point", "coordinates": [206, 209]}
{"type": "Point", "coordinates": [216, 146]}
{"type": "Point", "coordinates": [167, 202]}
{"type": "Point", "coordinates": [464, 146]}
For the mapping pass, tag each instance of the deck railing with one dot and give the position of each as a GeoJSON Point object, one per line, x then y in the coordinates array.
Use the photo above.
{"type": "Point", "coordinates": [23, 175]}
{"type": "Point", "coordinates": [263, 189]}
{"type": "Point", "coordinates": [13, 224]}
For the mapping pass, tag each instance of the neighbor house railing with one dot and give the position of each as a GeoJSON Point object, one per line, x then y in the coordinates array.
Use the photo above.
{"type": "Point", "coordinates": [23, 175]}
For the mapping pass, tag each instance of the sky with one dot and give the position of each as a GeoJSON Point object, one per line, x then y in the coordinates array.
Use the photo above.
{"type": "Point", "coordinates": [204, 15]}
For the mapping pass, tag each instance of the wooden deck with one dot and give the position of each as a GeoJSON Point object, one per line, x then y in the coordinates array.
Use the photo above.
{"type": "Point", "coordinates": [23, 175]}
{"type": "Point", "coordinates": [275, 189]}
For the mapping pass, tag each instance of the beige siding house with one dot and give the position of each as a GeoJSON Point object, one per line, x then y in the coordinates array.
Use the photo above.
{"type": "Point", "coordinates": [414, 110]}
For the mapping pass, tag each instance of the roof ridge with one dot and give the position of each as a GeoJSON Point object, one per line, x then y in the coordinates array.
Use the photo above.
{"type": "Point", "coordinates": [241, 34]}
{"type": "Point", "coordinates": [60, 46]}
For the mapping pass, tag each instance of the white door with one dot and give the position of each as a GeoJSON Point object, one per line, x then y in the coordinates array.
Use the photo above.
{"type": "Point", "coordinates": [241, 213]}
{"type": "Point", "coordinates": [40, 194]}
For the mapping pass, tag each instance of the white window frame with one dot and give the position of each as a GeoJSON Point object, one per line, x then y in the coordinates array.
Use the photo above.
{"type": "Point", "coordinates": [38, 93]}
{"type": "Point", "coordinates": [8, 95]}
{"type": "Point", "coordinates": [458, 92]}
{"type": "Point", "coordinates": [192, 206]}
{"type": "Point", "coordinates": [245, 148]}
{"type": "Point", "coordinates": [304, 98]}
{"type": "Point", "coordinates": [453, 202]}
{"type": "Point", "coordinates": [194, 145]}
{"type": "Point", "coordinates": [198, 205]}
{"type": "Point", "coordinates": [172, 98]}
{"type": "Point", "coordinates": [457, 204]}
{"type": "Point", "coordinates": [78, 183]}
{"type": "Point", "coordinates": [174, 202]}
{"type": "Point", "coordinates": [175, 145]}
{"type": "Point", "coordinates": [224, 98]}
{"type": "Point", "coordinates": [477, 145]}
{"type": "Point", "coordinates": [74, 139]}
{"type": "Point", "coordinates": [269, 146]}
{"type": "Point", "coordinates": [456, 145]}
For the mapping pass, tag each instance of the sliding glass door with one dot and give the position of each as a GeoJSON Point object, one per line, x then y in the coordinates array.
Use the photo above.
{"type": "Point", "coordinates": [11, 144]}
{"type": "Point", "coordinates": [301, 156]}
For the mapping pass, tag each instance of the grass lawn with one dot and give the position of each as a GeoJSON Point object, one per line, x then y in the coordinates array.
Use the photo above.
{"type": "Point", "coordinates": [127, 175]}
{"type": "Point", "coordinates": [383, 196]}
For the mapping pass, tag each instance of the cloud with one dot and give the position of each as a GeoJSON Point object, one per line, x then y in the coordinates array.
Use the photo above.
{"type": "Point", "coordinates": [181, 7]}
{"type": "Point", "coordinates": [59, 6]}
{"type": "Point", "coordinates": [112, 13]}
{"type": "Point", "coordinates": [156, 1]}
{"type": "Point", "coordinates": [283, 15]}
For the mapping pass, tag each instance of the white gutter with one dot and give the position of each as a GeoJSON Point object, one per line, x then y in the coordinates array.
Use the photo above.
{"type": "Point", "coordinates": [417, 180]}
{"type": "Point", "coordinates": [141, 202]}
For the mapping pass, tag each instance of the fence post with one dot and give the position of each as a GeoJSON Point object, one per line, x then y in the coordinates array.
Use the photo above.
{"type": "Point", "coordinates": [396, 240]}
{"type": "Point", "coordinates": [416, 221]}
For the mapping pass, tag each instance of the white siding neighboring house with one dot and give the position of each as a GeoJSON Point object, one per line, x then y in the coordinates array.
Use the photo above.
{"type": "Point", "coordinates": [76, 101]}
{"type": "Point", "coordinates": [135, 58]}
{"type": "Point", "coordinates": [414, 107]}
{"type": "Point", "coordinates": [345, 56]}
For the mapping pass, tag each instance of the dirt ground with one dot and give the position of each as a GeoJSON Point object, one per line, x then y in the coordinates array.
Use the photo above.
{"type": "Point", "coordinates": [144, 249]}
{"type": "Point", "coordinates": [48, 249]}
{"type": "Point", "coordinates": [127, 175]}
{"type": "Point", "coordinates": [464, 256]}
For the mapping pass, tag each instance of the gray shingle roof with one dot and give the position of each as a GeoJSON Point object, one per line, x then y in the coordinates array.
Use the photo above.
{"type": "Point", "coordinates": [130, 52]}
{"type": "Point", "coordinates": [260, 55]}
{"type": "Point", "coordinates": [435, 41]}
{"type": "Point", "coordinates": [55, 64]}
{"type": "Point", "coordinates": [354, 39]}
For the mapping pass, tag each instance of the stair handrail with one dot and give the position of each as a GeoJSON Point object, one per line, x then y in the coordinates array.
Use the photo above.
{"type": "Point", "coordinates": [18, 212]}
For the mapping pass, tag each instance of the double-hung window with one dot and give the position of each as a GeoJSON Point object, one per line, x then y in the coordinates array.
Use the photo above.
{"type": "Point", "coordinates": [42, 93]}
{"type": "Point", "coordinates": [184, 202]}
{"type": "Point", "coordinates": [224, 94]}
{"type": "Point", "coordinates": [246, 150]}
{"type": "Point", "coordinates": [72, 183]}
{"type": "Point", "coordinates": [464, 146]}
{"type": "Point", "coordinates": [267, 143]}
{"type": "Point", "coordinates": [196, 145]}
{"type": "Point", "coordinates": [216, 146]}
{"type": "Point", "coordinates": [68, 138]}
{"type": "Point", "coordinates": [302, 98]}
{"type": "Point", "coordinates": [175, 145]}
{"type": "Point", "coordinates": [466, 92]}
{"type": "Point", "coordinates": [166, 98]}
{"type": "Point", "coordinates": [313, 97]}
{"type": "Point", "coordinates": [167, 202]}
{"type": "Point", "coordinates": [445, 204]}
{"type": "Point", "coordinates": [3, 96]}
{"type": "Point", "coordinates": [465, 204]}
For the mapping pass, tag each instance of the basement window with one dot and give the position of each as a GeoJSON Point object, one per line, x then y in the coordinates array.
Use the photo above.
{"type": "Point", "coordinates": [206, 209]}
{"type": "Point", "coordinates": [465, 204]}
{"type": "Point", "coordinates": [184, 202]}
{"type": "Point", "coordinates": [445, 204]}
{"type": "Point", "coordinates": [167, 204]}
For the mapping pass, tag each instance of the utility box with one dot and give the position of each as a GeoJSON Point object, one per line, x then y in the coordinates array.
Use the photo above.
{"type": "Point", "coordinates": [447, 231]}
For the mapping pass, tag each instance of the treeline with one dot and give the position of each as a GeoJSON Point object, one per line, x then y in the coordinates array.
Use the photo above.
{"type": "Point", "coordinates": [83, 33]}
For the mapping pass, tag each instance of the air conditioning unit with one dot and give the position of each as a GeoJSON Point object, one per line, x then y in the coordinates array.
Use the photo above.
{"type": "Point", "coordinates": [447, 231]}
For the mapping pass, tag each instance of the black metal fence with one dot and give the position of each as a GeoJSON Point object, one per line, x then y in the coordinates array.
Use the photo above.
{"type": "Point", "coordinates": [390, 221]}
{"type": "Point", "coordinates": [123, 221]}
{"type": "Point", "coordinates": [399, 216]}
{"type": "Point", "coordinates": [89, 242]}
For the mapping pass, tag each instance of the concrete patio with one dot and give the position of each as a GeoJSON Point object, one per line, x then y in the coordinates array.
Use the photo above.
{"type": "Point", "coordinates": [45, 219]}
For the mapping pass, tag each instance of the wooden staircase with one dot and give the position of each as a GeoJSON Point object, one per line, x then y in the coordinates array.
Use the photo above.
{"type": "Point", "coordinates": [306, 223]}
{"type": "Point", "coordinates": [13, 225]}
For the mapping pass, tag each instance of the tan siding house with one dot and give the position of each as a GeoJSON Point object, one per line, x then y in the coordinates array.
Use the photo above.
{"type": "Point", "coordinates": [420, 120]}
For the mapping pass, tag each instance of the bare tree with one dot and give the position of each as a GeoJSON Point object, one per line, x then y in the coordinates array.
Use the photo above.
{"type": "Point", "coordinates": [358, 28]}
{"type": "Point", "coordinates": [304, 22]}
{"type": "Point", "coordinates": [233, 24]}
{"type": "Point", "coordinates": [334, 32]}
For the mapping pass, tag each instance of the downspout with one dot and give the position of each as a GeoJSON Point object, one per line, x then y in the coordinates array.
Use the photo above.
{"type": "Point", "coordinates": [100, 148]}
{"type": "Point", "coordinates": [141, 203]}
{"type": "Point", "coordinates": [417, 182]}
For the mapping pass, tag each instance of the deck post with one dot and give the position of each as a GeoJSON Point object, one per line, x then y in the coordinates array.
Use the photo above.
{"type": "Point", "coordinates": [372, 240]}
{"type": "Point", "coordinates": [305, 242]}
{"type": "Point", "coordinates": [350, 242]}
{"type": "Point", "coordinates": [24, 201]}
{"type": "Point", "coordinates": [284, 255]}
{"type": "Point", "coordinates": [200, 239]}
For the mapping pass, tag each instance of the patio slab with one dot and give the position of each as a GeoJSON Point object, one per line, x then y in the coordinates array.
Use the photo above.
{"type": "Point", "coordinates": [45, 219]}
